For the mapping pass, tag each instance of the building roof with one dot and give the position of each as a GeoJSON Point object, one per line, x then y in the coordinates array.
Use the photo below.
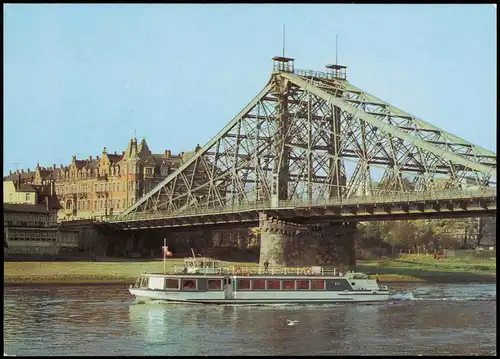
{"type": "Point", "coordinates": [12, 177]}
{"type": "Point", "coordinates": [46, 174]}
{"type": "Point", "coordinates": [27, 188]}
{"type": "Point", "coordinates": [115, 158]}
{"type": "Point", "coordinates": [26, 208]}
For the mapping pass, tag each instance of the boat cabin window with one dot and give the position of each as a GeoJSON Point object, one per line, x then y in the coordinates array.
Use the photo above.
{"type": "Point", "coordinates": [243, 284]}
{"type": "Point", "coordinates": [273, 284]}
{"type": "Point", "coordinates": [214, 284]}
{"type": "Point", "coordinates": [288, 285]}
{"type": "Point", "coordinates": [318, 284]}
{"type": "Point", "coordinates": [259, 284]}
{"type": "Point", "coordinates": [189, 284]}
{"type": "Point", "coordinates": [303, 285]}
{"type": "Point", "coordinates": [143, 282]}
{"type": "Point", "coordinates": [171, 283]}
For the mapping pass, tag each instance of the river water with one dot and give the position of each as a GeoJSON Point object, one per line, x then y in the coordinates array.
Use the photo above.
{"type": "Point", "coordinates": [104, 320]}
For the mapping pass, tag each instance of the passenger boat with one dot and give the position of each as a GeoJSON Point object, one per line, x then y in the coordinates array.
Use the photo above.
{"type": "Point", "coordinates": [203, 280]}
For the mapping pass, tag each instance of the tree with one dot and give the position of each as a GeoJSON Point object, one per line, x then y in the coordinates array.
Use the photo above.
{"type": "Point", "coordinates": [400, 234]}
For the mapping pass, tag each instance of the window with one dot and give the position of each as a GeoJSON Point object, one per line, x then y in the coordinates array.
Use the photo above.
{"type": "Point", "coordinates": [214, 284]}
{"type": "Point", "coordinates": [259, 284]}
{"type": "Point", "coordinates": [148, 170]}
{"type": "Point", "coordinates": [303, 285]}
{"type": "Point", "coordinates": [118, 204]}
{"type": "Point", "coordinates": [95, 187]}
{"type": "Point", "coordinates": [189, 284]}
{"type": "Point", "coordinates": [243, 284]}
{"type": "Point", "coordinates": [318, 284]}
{"type": "Point", "coordinates": [123, 186]}
{"type": "Point", "coordinates": [273, 284]}
{"type": "Point", "coordinates": [172, 283]}
{"type": "Point", "coordinates": [288, 285]}
{"type": "Point", "coordinates": [95, 205]}
{"type": "Point", "coordinates": [27, 196]}
{"type": "Point", "coordinates": [124, 204]}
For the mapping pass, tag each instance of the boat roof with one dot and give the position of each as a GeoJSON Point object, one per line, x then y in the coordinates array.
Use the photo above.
{"type": "Point", "coordinates": [255, 276]}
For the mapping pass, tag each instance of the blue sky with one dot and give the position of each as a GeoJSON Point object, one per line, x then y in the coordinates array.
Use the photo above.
{"type": "Point", "coordinates": [80, 77]}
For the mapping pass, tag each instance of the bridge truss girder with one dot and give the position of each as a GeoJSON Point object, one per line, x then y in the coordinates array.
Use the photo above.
{"type": "Point", "coordinates": [315, 138]}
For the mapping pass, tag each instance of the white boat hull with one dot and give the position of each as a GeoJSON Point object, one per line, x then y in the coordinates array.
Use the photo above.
{"type": "Point", "coordinates": [278, 297]}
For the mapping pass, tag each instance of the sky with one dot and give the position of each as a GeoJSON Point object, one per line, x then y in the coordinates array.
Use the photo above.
{"type": "Point", "coordinates": [80, 77]}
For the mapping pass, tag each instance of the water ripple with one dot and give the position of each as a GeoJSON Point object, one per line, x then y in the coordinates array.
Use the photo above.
{"type": "Point", "coordinates": [97, 320]}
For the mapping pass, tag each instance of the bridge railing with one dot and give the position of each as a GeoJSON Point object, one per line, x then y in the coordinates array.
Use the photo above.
{"type": "Point", "coordinates": [409, 197]}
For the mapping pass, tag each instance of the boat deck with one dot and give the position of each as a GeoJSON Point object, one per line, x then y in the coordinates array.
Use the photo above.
{"type": "Point", "coordinates": [256, 271]}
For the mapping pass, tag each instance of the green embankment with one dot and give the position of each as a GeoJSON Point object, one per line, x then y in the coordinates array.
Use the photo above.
{"type": "Point", "coordinates": [112, 272]}
{"type": "Point", "coordinates": [468, 268]}
{"type": "Point", "coordinates": [464, 268]}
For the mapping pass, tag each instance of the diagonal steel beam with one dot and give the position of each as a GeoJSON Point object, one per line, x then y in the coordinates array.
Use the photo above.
{"type": "Point", "coordinates": [422, 123]}
{"type": "Point", "coordinates": [200, 152]}
{"type": "Point", "coordinates": [388, 128]}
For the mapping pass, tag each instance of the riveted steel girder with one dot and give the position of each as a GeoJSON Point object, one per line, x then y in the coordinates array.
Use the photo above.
{"type": "Point", "coordinates": [308, 138]}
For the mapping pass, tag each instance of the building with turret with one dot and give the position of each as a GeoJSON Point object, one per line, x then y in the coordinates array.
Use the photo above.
{"type": "Point", "coordinates": [104, 185]}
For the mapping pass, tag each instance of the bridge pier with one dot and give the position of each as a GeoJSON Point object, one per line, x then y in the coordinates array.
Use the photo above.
{"type": "Point", "coordinates": [275, 237]}
{"type": "Point", "coordinates": [286, 243]}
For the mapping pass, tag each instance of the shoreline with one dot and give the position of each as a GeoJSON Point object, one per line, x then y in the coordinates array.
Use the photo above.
{"type": "Point", "coordinates": [82, 280]}
{"type": "Point", "coordinates": [112, 271]}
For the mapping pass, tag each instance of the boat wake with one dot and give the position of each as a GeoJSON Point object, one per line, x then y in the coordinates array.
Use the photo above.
{"type": "Point", "coordinates": [402, 296]}
{"type": "Point", "coordinates": [459, 299]}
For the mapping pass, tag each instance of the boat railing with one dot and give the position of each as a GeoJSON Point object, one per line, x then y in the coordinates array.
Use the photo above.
{"type": "Point", "coordinates": [260, 270]}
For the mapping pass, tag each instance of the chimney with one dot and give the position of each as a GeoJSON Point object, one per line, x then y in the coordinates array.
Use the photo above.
{"type": "Point", "coordinates": [22, 171]}
{"type": "Point", "coordinates": [90, 158]}
{"type": "Point", "coordinates": [115, 152]}
{"type": "Point", "coordinates": [18, 181]}
{"type": "Point", "coordinates": [123, 153]}
{"type": "Point", "coordinates": [10, 172]}
{"type": "Point", "coordinates": [97, 157]}
{"type": "Point", "coordinates": [28, 170]}
{"type": "Point", "coordinates": [54, 166]}
{"type": "Point", "coordinates": [51, 188]}
{"type": "Point", "coordinates": [167, 153]}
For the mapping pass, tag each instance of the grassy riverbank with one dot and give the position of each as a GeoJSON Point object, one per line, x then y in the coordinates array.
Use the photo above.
{"type": "Point", "coordinates": [407, 268]}
{"type": "Point", "coordinates": [467, 268]}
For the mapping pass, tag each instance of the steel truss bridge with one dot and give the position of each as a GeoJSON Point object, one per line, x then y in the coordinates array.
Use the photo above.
{"type": "Point", "coordinates": [311, 147]}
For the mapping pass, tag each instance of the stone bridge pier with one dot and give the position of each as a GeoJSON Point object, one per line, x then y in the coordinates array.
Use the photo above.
{"type": "Point", "coordinates": [287, 243]}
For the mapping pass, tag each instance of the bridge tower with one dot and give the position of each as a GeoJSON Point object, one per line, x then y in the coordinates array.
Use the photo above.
{"type": "Point", "coordinates": [281, 90]}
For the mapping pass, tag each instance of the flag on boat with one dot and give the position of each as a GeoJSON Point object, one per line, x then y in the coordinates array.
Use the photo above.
{"type": "Point", "coordinates": [166, 252]}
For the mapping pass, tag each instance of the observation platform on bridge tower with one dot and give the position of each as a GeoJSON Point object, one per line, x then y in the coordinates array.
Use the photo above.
{"type": "Point", "coordinates": [283, 64]}
{"type": "Point", "coordinates": [338, 72]}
